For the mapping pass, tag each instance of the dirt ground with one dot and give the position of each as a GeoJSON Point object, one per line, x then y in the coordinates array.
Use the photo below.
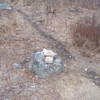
{"type": "Point", "coordinates": [19, 39]}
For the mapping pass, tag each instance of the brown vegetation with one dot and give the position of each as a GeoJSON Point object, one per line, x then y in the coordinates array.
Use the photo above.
{"type": "Point", "coordinates": [87, 37]}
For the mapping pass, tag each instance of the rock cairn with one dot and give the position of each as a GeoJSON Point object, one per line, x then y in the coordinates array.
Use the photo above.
{"type": "Point", "coordinates": [46, 63]}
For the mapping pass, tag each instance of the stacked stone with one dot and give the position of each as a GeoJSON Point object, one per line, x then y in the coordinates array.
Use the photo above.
{"type": "Point", "coordinates": [46, 63]}
{"type": "Point", "coordinates": [49, 56]}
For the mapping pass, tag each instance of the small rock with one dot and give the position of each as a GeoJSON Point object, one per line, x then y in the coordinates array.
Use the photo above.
{"type": "Point", "coordinates": [86, 69]}
{"type": "Point", "coordinates": [5, 6]}
{"type": "Point", "coordinates": [49, 60]}
{"type": "Point", "coordinates": [58, 61]}
{"type": "Point", "coordinates": [17, 65]}
{"type": "Point", "coordinates": [93, 84]}
{"type": "Point", "coordinates": [49, 53]}
{"type": "Point", "coordinates": [33, 86]}
{"type": "Point", "coordinates": [70, 57]}
{"type": "Point", "coordinates": [96, 77]}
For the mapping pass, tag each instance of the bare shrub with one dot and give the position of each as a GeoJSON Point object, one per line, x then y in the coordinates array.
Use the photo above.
{"type": "Point", "coordinates": [86, 37]}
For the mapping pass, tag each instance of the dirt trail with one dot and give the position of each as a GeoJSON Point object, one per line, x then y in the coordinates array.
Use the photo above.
{"type": "Point", "coordinates": [54, 43]}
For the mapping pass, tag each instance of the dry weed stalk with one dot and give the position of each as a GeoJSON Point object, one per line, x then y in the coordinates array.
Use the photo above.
{"type": "Point", "coordinates": [87, 36]}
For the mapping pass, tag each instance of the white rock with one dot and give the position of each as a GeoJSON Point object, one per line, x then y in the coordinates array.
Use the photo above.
{"type": "Point", "coordinates": [17, 65]}
{"type": "Point", "coordinates": [86, 69]}
{"type": "Point", "coordinates": [58, 61]}
{"type": "Point", "coordinates": [49, 53]}
{"type": "Point", "coordinates": [49, 60]}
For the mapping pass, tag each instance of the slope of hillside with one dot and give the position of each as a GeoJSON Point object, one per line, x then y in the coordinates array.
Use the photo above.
{"type": "Point", "coordinates": [30, 28]}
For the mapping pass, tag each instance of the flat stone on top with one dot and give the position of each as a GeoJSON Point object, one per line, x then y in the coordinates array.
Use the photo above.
{"type": "Point", "coordinates": [49, 53]}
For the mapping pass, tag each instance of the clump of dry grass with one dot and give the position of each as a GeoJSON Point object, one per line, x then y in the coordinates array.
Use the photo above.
{"type": "Point", "coordinates": [86, 37]}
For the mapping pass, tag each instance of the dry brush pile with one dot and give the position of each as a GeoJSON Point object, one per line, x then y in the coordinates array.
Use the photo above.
{"type": "Point", "coordinates": [87, 37]}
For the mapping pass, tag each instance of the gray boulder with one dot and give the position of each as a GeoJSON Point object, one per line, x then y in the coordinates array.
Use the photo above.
{"type": "Point", "coordinates": [44, 69]}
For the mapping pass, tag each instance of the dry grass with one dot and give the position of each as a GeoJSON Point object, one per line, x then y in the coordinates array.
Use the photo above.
{"type": "Point", "coordinates": [87, 37]}
{"type": "Point", "coordinates": [90, 4]}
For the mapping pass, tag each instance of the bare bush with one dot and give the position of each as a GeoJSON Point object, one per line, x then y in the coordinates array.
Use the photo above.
{"type": "Point", "coordinates": [86, 36]}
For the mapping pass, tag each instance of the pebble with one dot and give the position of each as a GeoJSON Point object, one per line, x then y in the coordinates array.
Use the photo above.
{"type": "Point", "coordinates": [96, 77]}
{"type": "Point", "coordinates": [17, 65]}
{"type": "Point", "coordinates": [86, 69]}
{"type": "Point", "coordinates": [33, 86]}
